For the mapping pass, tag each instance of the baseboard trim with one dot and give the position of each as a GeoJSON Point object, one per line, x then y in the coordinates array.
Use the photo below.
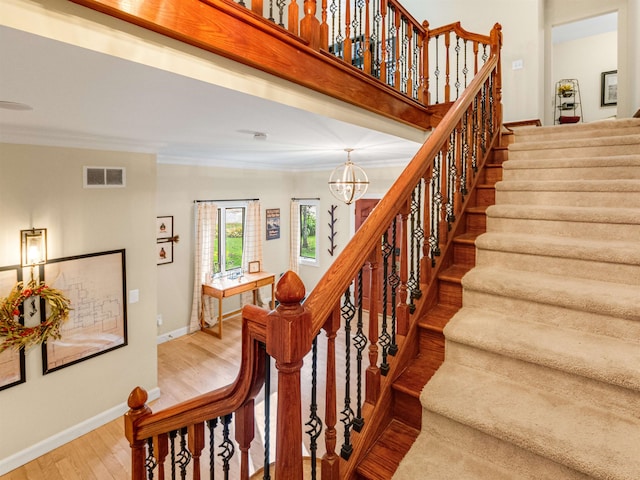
{"type": "Point", "coordinates": [48, 444]}
{"type": "Point", "coordinates": [165, 337]}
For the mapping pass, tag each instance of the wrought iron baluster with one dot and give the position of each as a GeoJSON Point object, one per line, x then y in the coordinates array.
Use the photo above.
{"type": "Point", "coordinates": [436, 205]}
{"type": "Point", "coordinates": [464, 138]}
{"type": "Point", "coordinates": [474, 154]}
{"type": "Point", "coordinates": [360, 342]}
{"type": "Point", "coordinates": [267, 417]}
{"type": "Point", "coordinates": [227, 446]}
{"type": "Point", "coordinates": [465, 70]}
{"type": "Point", "coordinates": [392, 39]}
{"type": "Point", "coordinates": [184, 455]}
{"type": "Point", "coordinates": [491, 106]}
{"type": "Point", "coordinates": [150, 462]}
{"type": "Point", "coordinates": [483, 133]}
{"type": "Point", "coordinates": [418, 234]}
{"type": "Point", "coordinates": [412, 282]}
{"type": "Point", "coordinates": [314, 423]}
{"type": "Point", "coordinates": [385, 339]}
{"type": "Point", "coordinates": [348, 312]}
{"type": "Point", "coordinates": [211, 425]}
{"type": "Point", "coordinates": [394, 282]}
{"type": "Point", "coordinates": [457, 50]}
{"type": "Point", "coordinates": [415, 74]}
{"type": "Point", "coordinates": [281, 4]}
{"type": "Point", "coordinates": [484, 53]}
{"type": "Point", "coordinates": [271, 12]}
{"type": "Point", "coordinates": [451, 180]}
{"type": "Point", "coordinates": [172, 437]}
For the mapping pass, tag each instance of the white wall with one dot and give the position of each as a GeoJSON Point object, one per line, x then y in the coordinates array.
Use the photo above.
{"type": "Point", "coordinates": [42, 187]}
{"type": "Point", "coordinates": [521, 89]}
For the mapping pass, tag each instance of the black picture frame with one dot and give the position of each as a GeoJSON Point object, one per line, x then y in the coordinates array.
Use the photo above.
{"type": "Point", "coordinates": [164, 252]}
{"type": "Point", "coordinates": [12, 362]}
{"type": "Point", "coordinates": [96, 287]}
{"type": "Point", "coordinates": [609, 88]}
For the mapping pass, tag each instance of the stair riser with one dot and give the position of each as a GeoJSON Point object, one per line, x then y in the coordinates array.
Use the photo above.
{"type": "Point", "coordinates": [568, 267]}
{"type": "Point", "coordinates": [554, 380]}
{"type": "Point", "coordinates": [485, 196]}
{"type": "Point", "coordinates": [432, 345]}
{"type": "Point", "coordinates": [499, 155]}
{"type": "Point", "coordinates": [476, 222]}
{"type": "Point", "coordinates": [491, 175]}
{"type": "Point", "coordinates": [574, 199]}
{"type": "Point", "coordinates": [449, 293]}
{"type": "Point", "coordinates": [579, 152]}
{"type": "Point", "coordinates": [554, 315]}
{"type": "Point", "coordinates": [573, 173]}
{"type": "Point", "coordinates": [593, 231]}
{"type": "Point", "coordinates": [464, 254]}
{"type": "Point", "coordinates": [407, 408]}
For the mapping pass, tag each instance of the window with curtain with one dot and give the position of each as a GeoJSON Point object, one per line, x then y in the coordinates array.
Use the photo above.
{"type": "Point", "coordinates": [228, 240]}
{"type": "Point", "coordinates": [308, 213]}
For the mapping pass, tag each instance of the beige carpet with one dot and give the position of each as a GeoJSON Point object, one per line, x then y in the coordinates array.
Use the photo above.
{"type": "Point", "coordinates": [542, 372]}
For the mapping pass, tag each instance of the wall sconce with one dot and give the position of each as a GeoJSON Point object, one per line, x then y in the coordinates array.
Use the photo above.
{"type": "Point", "coordinates": [34, 247]}
{"type": "Point", "coordinates": [348, 182]}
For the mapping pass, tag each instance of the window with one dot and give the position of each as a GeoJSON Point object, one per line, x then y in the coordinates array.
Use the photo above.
{"type": "Point", "coordinates": [309, 232]}
{"type": "Point", "coordinates": [228, 242]}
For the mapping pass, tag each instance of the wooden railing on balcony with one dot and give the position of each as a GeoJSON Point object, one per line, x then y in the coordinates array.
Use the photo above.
{"type": "Point", "coordinates": [395, 256]}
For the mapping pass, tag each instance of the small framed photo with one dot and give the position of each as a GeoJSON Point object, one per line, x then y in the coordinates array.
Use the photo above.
{"type": "Point", "coordinates": [254, 267]}
{"type": "Point", "coordinates": [609, 88]}
{"type": "Point", "coordinates": [164, 227]}
{"type": "Point", "coordinates": [164, 252]}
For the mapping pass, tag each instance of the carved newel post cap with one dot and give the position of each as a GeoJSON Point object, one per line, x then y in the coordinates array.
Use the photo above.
{"type": "Point", "coordinates": [290, 289]}
{"type": "Point", "coordinates": [137, 398]}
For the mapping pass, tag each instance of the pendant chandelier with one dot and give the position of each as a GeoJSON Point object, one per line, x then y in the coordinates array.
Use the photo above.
{"type": "Point", "coordinates": [348, 182]}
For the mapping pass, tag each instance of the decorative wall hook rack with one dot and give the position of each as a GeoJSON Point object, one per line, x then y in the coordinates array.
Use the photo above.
{"type": "Point", "coordinates": [332, 224]}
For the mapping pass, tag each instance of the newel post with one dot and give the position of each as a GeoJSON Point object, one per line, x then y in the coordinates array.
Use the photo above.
{"type": "Point", "coordinates": [496, 43]}
{"type": "Point", "coordinates": [137, 409]}
{"type": "Point", "coordinates": [310, 25]}
{"type": "Point", "coordinates": [288, 341]}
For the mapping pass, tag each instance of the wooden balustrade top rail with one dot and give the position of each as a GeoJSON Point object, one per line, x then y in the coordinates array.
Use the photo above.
{"type": "Point", "coordinates": [458, 30]}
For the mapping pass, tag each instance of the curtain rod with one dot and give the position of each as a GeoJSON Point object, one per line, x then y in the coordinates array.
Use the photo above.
{"type": "Point", "coordinates": [308, 198]}
{"type": "Point", "coordinates": [229, 200]}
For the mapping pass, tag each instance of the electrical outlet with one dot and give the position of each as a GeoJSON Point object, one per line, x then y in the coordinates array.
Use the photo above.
{"type": "Point", "coordinates": [159, 319]}
{"type": "Point", "coordinates": [517, 65]}
{"type": "Point", "coordinates": [134, 296]}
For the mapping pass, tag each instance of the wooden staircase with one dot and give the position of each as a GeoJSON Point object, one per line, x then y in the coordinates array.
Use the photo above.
{"type": "Point", "coordinates": [388, 450]}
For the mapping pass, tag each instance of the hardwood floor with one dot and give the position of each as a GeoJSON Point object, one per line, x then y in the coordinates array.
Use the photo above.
{"type": "Point", "coordinates": [187, 366]}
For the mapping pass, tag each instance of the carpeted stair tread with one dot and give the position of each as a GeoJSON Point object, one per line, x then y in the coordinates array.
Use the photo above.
{"type": "Point", "coordinates": [610, 215]}
{"type": "Point", "coordinates": [579, 168]}
{"type": "Point", "coordinates": [611, 261]}
{"type": "Point", "coordinates": [593, 296]}
{"type": "Point", "coordinates": [441, 460]}
{"type": "Point", "coordinates": [469, 454]}
{"type": "Point", "coordinates": [605, 359]}
{"type": "Point", "coordinates": [573, 143]}
{"type": "Point", "coordinates": [566, 247]}
{"type": "Point", "coordinates": [578, 435]}
{"type": "Point", "coordinates": [624, 185]}
{"type": "Point", "coordinates": [600, 128]}
{"type": "Point", "coordinates": [385, 455]}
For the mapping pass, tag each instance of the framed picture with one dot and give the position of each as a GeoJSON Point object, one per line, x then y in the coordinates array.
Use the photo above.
{"type": "Point", "coordinates": [164, 227]}
{"type": "Point", "coordinates": [164, 252]}
{"type": "Point", "coordinates": [254, 267]}
{"type": "Point", "coordinates": [273, 223]}
{"type": "Point", "coordinates": [609, 88]}
{"type": "Point", "coordinates": [12, 369]}
{"type": "Point", "coordinates": [96, 286]}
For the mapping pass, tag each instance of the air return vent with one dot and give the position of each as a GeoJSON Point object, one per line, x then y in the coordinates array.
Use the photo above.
{"type": "Point", "coordinates": [104, 177]}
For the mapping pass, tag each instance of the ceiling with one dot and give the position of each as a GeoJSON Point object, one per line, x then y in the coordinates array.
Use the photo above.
{"type": "Point", "coordinates": [82, 98]}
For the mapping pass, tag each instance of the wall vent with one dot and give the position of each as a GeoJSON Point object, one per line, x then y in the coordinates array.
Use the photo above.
{"type": "Point", "coordinates": [104, 177]}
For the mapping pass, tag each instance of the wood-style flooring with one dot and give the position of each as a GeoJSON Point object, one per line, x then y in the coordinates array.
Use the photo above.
{"type": "Point", "coordinates": [187, 366]}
